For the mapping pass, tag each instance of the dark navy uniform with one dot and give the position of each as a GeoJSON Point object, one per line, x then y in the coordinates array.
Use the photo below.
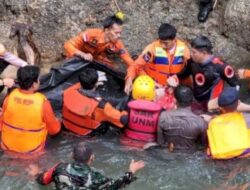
{"type": "Point", "coordinates": [209, 78]}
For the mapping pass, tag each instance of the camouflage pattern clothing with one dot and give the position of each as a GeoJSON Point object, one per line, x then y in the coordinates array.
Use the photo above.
{"type": "Point", "coordinates": [79, 176]}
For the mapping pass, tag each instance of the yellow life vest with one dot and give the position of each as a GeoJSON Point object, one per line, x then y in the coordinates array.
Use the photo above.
{"type": "Point", "coordinates": [23, 128]}
{"type": "Point", "coordinates": [228, 136]}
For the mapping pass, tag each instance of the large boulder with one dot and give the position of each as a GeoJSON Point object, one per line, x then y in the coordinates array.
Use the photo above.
{"type": "Point", "coordinates": [236, 24]}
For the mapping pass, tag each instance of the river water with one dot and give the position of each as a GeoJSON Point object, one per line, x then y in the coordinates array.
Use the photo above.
{"type": "Point", "coordinates": [163, 170]}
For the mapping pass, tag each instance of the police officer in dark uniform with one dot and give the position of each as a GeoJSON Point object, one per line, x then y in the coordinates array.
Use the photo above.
{"type": "Point", "coordinates": [205, 7]}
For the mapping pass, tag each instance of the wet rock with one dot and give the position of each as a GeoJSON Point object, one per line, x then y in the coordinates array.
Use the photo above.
{"type": "Point", "coordinates": [236, 24]}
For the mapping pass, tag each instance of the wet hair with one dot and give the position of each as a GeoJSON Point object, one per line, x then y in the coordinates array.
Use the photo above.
{"type": "Point", "coordinates": [82, 152]}
{"type": "Point", "coordinates": [110, 21]}
{"type": "Point", "coordinates": [167, 32]}
{"type": "Point", "coordinates": [27, 75]}
{"type": "Point", "coordinates": [184, 95]}
{"type": "Point", "coordinates": [88, 78]}
{"type": "Point", "coordinates": [202, 43]}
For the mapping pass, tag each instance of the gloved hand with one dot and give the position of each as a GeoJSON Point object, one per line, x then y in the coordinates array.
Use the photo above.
{"type": "Point", "coordinates": [101, 78]}
{"type": "Point", "coordinates": [173, 81]}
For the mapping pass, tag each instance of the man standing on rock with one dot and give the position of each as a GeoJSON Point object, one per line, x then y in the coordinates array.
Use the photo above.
{"type": "Point", "coordinates": [205, 7]}
{"type": "Point", "coordinates": [102, 45]}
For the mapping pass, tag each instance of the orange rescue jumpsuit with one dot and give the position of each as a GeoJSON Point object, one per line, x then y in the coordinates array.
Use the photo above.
{"type": "Point", "coordinates": [92, 41]}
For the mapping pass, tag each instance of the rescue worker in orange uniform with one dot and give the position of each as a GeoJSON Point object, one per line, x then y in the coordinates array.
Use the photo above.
{"type": "Point", "coordinates": [84, 109]}
{"type": "Point", "coordinates": [164, 58]}
{"type": "Point", "coordinates": [229, 133]}
{"type": "Point", "coordinates": [27, 115]}
{"type": "Point", "coordinates": [102, 45]}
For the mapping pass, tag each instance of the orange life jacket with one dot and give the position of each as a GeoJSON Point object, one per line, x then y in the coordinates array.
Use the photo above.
{"type": "Point", "coordinates": [228, 136]}
{"type": "Point", "coordinates": [78, 111]}
{"type": "Point", "coordinates": [23, 128]}
{"type": "Point", "coordinates": [164, 64]}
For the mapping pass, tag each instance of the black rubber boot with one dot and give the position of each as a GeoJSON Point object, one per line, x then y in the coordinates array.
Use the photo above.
{"type": "Point", "coordinates": [206, 6]}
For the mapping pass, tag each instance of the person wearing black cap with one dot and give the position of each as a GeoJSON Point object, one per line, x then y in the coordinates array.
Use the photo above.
{"type": "Point", "coordinates": [209, 74]}
{"type": "Point", "coordinates": [228, 133]}
{"type": "Point", "coordinates": [79, 175]}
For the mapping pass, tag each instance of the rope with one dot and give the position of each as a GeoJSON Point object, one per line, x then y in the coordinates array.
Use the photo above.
{"type": "Point", "coordinates": [116, 4]}
{"type": "Point", "coordinates": [215, 3]}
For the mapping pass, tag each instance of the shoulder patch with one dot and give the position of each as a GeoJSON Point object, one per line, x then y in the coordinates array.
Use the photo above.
{"type": "Point", "coordinates": [93, 42]}
{"type": "Point", "coordinates": [200, 79]}
{"type": "Point", "coordinates": [122, 51]}
{"type": "Point", "coordinates": [147, 56]}
{"type": "Point", "coordinates": [229, 71]}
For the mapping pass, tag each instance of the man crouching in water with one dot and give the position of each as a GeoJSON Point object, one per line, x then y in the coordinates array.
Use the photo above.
{"type": "Point", "coordinates": [84, 109]}
{"type": "Point", "coordinates": [228, 133]}
{"type": "Point", "coordinates": [181, 129]}
{"type": "Point", "coordinates": [104, 46]}
{"type": "Point", "coordinates": [27, 116]}
{"type": "Point", "coordinates": [79, 175]}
